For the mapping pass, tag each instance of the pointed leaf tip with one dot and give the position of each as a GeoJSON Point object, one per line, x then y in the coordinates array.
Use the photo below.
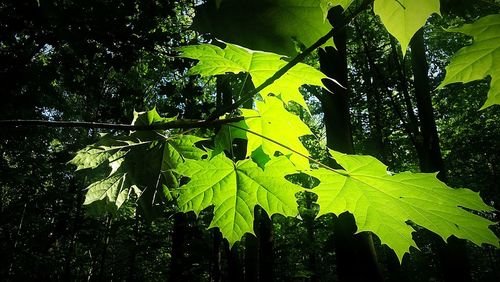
{"type": "Point", "coordinates": [234, 189]}
{"type": "Point", "coordinates": [383, 203]}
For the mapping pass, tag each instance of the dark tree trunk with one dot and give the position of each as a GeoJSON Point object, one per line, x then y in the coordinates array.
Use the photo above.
{"type": "Point", "coordinates": [355, 254]}
{"type": "Point", "coordinates": [251, 256]}
{"type": "Point", "coordinates": [377, 146]}
{"type": "Point", "coordinates": [266, 242]}
{"type": "Point", "coordinates": [107, 235]}
{"type": "Point", "coordinates": [431, 160]}
{"type": "Point", "coordinates": [335, 105]}
{"type": "Point", "coordinates": [73, 232]}
{"type": "Point", "coordinates": [260, 248]}
{"type": "Point", "coordinates": [178, 242]}
{"type": "Point", "coordinates": [454, 261]}
{"type": "Point", "coordinates": [235, 270]}
{"type": "Point", "coordinates": [258, 259]}
{"type": "Point", "coordinates": [224, 91]}
{"type": "Point", "coordinates": [310, 244]}
{"type": "Point", "coordinates": [134, 249]}
{"type": "Point", "coordinates": [411, 123]}
{"type": "Point", "coordinates": [216, 258]}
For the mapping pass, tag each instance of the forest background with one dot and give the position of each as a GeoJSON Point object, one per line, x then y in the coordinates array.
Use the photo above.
{"type": "Point", "coordinates": [100, 61]}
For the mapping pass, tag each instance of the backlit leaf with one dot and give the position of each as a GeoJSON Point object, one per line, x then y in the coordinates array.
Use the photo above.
{"type": "Point", "coordinates": [260, 65]}
{"type": "Point", "coordinates": [273, 121]}
{"type": "Point", "coordinates": [383, 203]}
{"type": "Point", "coordinates": [234, 189]}
{"type": "Point", "coordinates": [278, 26]}
{"type": "Point", "coordinates": [403, 18]}
{"type": "Point", "coordinates": [139, 163]}
{"type": "Point", "coordinates": [480, 59]}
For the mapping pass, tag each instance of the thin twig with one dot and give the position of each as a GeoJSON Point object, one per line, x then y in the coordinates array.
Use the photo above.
{"type": "Point", "coordinates": [297, 59]}
{"type": "Point", "coordinates": [187, 123]}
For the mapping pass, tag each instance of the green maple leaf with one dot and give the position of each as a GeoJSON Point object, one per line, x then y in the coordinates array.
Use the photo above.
{"type": "Point", "coordinates": [403, 18]}
{"type": "Point", "coordinates": [479, 59]}
{"type": "Point", "coordinates": [260, 65]}
{"type": "Point", "coordinates": [113, 189]}
{"type": "Point", "coordinates": [234, 189]}
{"type": "Point", "coordinates": [122, 169]}
{"type": "Point", "coordinates": [149, 117]}
{"type": "Point", "coordinates": [273, 121]}
{"type": "Point", "coordinates": [110, 148]}
{"type": "Point", "coordinates": [107, 149]}
{"type": "Point", "coordinates": [286, 23]}
{"type": "Point", "coordinates": [383, 203]}
{"type": "Point", "coordinates": [141, 163]}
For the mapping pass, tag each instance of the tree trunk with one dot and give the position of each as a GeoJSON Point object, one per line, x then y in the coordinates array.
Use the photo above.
{"type": "Point", "coordinates": [310, 244]}
{"type": "Point", "coordinates": [134, 248]}
{"type": "Point", "coordinates": [235, 271]}
{"type": "Point", "coordinates": [258, 261]}
{"type": "Point", "coordinates": [251, 254]}
{"type": "Point", "coordinates": [355, 254]}
{"type": "Point", "coordinates": [75, 227]}
{"type": "Point", "coordinates": [107, 235]}
{"type": "Point", "coordinates": [215, 274]}
{"type": "Point", "coordinates": [263, 267]}
{"type": "Point", "coordinates": [178, 242]}
{"type": "Point", "coordinates": [454, 260]}
{"type": "Point", "coordinates": [335, 105]}
{"type": "Point", "coordinates": [266, 242]}
{"type": "Point", "coordinates": [377, 146]}
{"type": "Point", "coordinates": [431, 160]}
{"type": "Point", "coordinates": [16, 241]}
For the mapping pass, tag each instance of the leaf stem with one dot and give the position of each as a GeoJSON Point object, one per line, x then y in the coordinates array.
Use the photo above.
{"type": "Point", "coordinates": [290, 149]}
{"type": "Point", "coordinates": [401, 4]}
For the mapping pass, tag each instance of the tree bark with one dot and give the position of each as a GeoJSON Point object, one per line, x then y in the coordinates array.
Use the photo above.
{"type": "Point", "coordinates": [107, 235]}
{"type": "Point", "coordinates": [251, 254]}
{"type": "Point", "coordinates": [355, 254]}
{"type": "Point", "coordinates": [335, 104]}
{"type": "Point", "coordinates": [266, 242]}
{"type": "Point", "coordinates": [431, 160]}
{"type": "Point", "coordinates": [75, 227]}
{"type": "Point", "coordinates": [178, 243]}
{"type": "Point", "coordinates": [454, 261]}
{"type": "Point", "coordinates": [310, 244]}
{"type": "Point", "coordinates": [258, 259]}
{"type": "Point", "coordinates": [134, 249]}
{"type": "Point", "coordinates": [235, 270]}
{"type": "Point", "coordinates": [216, 258]}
